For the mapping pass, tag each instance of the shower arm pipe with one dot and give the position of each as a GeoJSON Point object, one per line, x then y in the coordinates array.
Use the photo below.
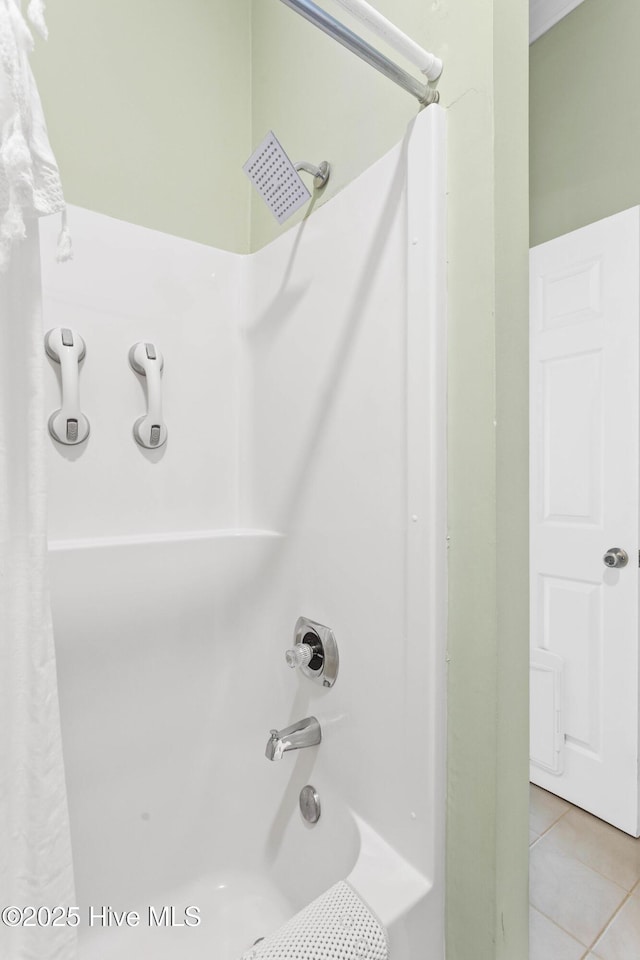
{"type": "Point", "coordinates": [426, 62]}
{"type": "Point", "coordinates": [333, 28]}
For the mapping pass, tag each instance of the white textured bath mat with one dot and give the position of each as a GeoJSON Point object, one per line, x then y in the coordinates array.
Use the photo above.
{"type": "Point", "coordinates": [336, 925]}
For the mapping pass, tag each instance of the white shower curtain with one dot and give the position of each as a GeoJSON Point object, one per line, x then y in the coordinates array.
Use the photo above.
{"type": "Point", "coordinates": [35, 846]}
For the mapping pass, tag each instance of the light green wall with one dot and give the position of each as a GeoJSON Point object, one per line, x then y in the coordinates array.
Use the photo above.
{"type": "Point", "coordinates": [147, 105]}
{"type": "Point", "coordinates": [585, 118]}
{"type": "Point", "coordinates": [485, 88]}
{"type": "Point", "coordinates": [511, 123]}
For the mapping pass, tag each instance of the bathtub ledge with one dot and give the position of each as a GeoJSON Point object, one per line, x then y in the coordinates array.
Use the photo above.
{"type": "Point", "coordinates": [180, 536]}
{"type": "Point", "coordinates": [388, 884]}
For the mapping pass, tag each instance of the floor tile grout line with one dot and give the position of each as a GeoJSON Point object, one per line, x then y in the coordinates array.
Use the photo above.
{"type": "Point", "coordinates": [556, 924]}
{"type": "Point", "coordinates": [626, 837]}
{"type": "Point", "coordinates": [550, 827]}
{"type": "Point", "coordinates": [628, 893]}
{"type": "Point", "coordinates": [580, 943]}
{"type": "Point", "coordinates": [564, 930]}
{"type": "Point", "coordinates": [610, 921]}
{"type": "Point", "coordinates": [572, 808]}
{"type": "Point", "coordinates": [574, 856]}
{"type": "Point", "coordinates": [610, 918]}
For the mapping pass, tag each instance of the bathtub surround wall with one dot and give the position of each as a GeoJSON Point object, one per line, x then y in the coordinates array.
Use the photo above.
{"type": "Point", "coordinates": [585, 150]}
{"type": "Point", "coordinates": [323, 102]}
{"type": "Point", "coordinates": [128, 284]}
{"type": "Point", "coordinates": [344, 446]}
{"type": "Point", "coordinates": [335, 441]}
{"type": "Point", "coordinates": [345, 450]}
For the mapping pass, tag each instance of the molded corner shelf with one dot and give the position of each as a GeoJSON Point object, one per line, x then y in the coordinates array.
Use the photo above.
{"type": "Point", "coordinates": [174, 536]}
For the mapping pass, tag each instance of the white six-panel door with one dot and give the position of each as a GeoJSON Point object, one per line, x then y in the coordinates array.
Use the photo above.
{"type": "Point", "coordinates": [585, 397]}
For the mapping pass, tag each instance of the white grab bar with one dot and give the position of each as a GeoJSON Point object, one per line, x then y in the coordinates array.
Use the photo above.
{"type": "Point", "coordinates": [66, 347]}
{"type": "Point", "coordinates": [150, 430]}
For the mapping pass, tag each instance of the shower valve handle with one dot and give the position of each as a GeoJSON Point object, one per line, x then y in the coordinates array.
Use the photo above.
{"type": "Point", "coordinates": [300, 655]}
{"type": "Point", "coordinates": [66, 347]}
{"type": "Point", "coordinates": [150, 430]}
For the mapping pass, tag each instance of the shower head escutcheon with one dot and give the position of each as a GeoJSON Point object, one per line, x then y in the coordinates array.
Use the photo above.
{"type": "Point", "coordinates": [278, 180]}
{"type": "Point", "coordinates": [320, 174]}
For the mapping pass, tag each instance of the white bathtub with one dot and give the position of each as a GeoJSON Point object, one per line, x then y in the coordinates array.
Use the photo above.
{"type": "Point", "coordinates": [170, 681]}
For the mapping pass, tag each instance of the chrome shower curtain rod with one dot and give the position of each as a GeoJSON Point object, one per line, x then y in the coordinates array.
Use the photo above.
{"type": "Point", "coordinates": [333, 28]}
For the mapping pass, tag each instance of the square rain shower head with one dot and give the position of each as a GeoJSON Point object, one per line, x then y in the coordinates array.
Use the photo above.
{"type": "Point", "coordinates": [276, 179]}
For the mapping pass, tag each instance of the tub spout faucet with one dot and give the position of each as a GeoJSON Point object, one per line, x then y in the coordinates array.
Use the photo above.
{"type": "Point", "coordinates": [304, 733]}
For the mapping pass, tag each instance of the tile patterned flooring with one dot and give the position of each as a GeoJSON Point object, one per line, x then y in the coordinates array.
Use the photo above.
{"type": "Point", "coordinates": [584, 878]}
